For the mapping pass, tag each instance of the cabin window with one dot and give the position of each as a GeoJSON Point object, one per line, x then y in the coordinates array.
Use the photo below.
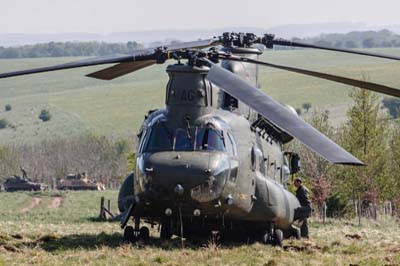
{"type": "Point", "coordinates": [253, 159]}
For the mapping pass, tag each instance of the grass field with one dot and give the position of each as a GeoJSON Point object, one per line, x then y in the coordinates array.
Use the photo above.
{"type": "Point", "coordinates": [80, 104]}
{"type": "Point", "coordinates": [55, 228]}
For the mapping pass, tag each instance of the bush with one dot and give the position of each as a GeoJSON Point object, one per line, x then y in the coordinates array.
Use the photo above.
{"type": "Point", "coordinates": [306, 106]}
{"type": "Point", "coordinates": [393, 106]}
{"type": "Point", "coordinates": [337, 206]}
{"type": "Point", "coordinates": [45, 115]}
{"type": "Point", "coordinates": [8, 107]}
{"type": "Point", "coordinates": [3, 123]}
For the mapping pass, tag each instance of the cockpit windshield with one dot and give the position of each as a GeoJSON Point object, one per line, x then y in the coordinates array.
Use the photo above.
{"type": "Point", "coordinates": [184, 139]}
{"type": "Point", "coordinates": [209, 139]}
{"type": "Point", "coordinates": [162, 138]}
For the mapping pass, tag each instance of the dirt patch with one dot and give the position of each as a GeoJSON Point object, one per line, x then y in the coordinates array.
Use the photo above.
{"type": "Point", "coordinates": [45, 239]}
{"type": "Point", "coordinates": [34, 202]}
{"type": "Point", "coordinates": [305, 247]}
{"type": "Point", "coordinates": [56, 202]}
{"type": "Point", "coordinates": [355, 236]}
{"type": "Point", "coordinates": [9, 248]}
{"type": "Point", "coordinates": [17, 236]}
{"type": "Point", "coordinates": [394, 249]}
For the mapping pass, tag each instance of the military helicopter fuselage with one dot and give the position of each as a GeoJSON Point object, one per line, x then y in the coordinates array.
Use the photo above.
{"type": "Point", "coordinates": [209, 157]}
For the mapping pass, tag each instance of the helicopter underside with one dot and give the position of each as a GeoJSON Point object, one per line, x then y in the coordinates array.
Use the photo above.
{"type": "Point", "coordinates": [184, 216]}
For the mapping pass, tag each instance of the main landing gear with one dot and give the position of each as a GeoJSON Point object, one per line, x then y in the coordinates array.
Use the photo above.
{"type": "Point", "coordinates": [273, 237]}
{"type": "Point", "coordinates": [131, 235]}
{"type": "Point", "coordinates": [166, 228]}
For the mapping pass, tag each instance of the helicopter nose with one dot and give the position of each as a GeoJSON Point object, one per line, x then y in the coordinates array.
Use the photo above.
{"type": "Point", "coordinates": [180, 173]}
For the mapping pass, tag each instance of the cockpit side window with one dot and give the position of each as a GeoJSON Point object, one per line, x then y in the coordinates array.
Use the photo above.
{"type": "Point", "coordinates": [161, 139]}
{"type": "Point", "coordinates": [231, 145]}
{"type": "Point", "coordinates": [142, 139]}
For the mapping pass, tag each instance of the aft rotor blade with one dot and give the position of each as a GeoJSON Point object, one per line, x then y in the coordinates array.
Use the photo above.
{"type": "Point", "coordinates": [348, 81]}
{"type": "Point", "coordinates": [280, 116]}
{"type": "Point", "coordinates": [283, 42]}
{"type": "Point", "coordinates": [194, 44]}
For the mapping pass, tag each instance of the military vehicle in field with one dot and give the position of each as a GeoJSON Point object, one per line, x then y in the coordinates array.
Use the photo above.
{"type": "Point", "coordinates": [79, 182]}
{"type": "Point", "coordinates": [17, 183]}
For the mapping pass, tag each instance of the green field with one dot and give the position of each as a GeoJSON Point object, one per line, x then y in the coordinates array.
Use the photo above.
{"type": "Point", "coordinates": [36, 231]}
{"type": "Point", "coordinates": [80, 104]}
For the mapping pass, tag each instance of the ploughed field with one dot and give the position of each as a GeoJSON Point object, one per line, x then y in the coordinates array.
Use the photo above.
{"type": "Point", "coordinates": [60, 228]}
{"type": "Point", "coordinates": [79, 104]}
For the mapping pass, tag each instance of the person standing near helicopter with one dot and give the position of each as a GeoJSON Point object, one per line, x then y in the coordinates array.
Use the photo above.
{"type": "Point", "coordinates": [303, 212]}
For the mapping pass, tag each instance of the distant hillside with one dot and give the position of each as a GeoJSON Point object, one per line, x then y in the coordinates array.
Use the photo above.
{"type": "Point", "coordinates": [364, 39]}
{"type": "Point", "coordinates": [315, 29]}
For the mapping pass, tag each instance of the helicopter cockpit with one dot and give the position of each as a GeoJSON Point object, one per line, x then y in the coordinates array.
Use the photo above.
{"type": "Point", "coordinates": [202, 151]}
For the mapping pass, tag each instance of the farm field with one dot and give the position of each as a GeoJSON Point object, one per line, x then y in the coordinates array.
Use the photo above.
{"type": "Point", "coordinates": [59, 228]}
{"type": "Point", "coordinates": [116, 108]}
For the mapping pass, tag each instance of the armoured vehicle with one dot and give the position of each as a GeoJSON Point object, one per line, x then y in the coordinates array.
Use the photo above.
{"type": "Point", "coordinates": [17, 183]}
{"type": "Point", "coordinates": [214, 157]}
{"type": "Point", "coordinates": [79, 182]}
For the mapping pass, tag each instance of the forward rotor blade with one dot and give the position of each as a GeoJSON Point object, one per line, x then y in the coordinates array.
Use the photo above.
{"type": "Point", "coordinates": [348, 81]}
{"type": "Point", "coordinates": [109, 73]}
{"type": "Point", "coordinates": [126, 68]}
{"type": "Point", "coordinates": [280, 116]}
{"type": "Point", "coordinates": [283, 42]}
{"type": "Point", "coordinates": [120, 70]}
{"type": "Point", "coordinates": [138, 55]}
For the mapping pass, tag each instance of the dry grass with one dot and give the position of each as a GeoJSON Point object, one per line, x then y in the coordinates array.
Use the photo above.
{"type": "Point", "coordinates": [42, 239]}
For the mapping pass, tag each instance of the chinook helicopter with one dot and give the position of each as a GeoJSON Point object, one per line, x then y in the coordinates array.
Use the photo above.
{"type": "Point", "coordinates": [213, 158]}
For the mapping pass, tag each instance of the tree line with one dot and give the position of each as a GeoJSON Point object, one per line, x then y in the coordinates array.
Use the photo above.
{"type": "Point", "coordinates": [61, 49]}
{"type": "Point", "coordinates": [371, 135]}
{"type": "Point", "coordinates": [355, 39]}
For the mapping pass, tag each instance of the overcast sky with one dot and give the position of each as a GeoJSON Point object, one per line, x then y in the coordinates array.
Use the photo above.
{"type": "Point", "coordinates": [104, 16]}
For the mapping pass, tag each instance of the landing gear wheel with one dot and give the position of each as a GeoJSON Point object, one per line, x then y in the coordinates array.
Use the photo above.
{"type": "Point", "coordinates": [144, 234]}
{"type": "Point", "coordinates": [278, 237]}
{"type": "Point", "coordinates": [129, 234]}
{"type": "Point", "coordinates": [266, 238]}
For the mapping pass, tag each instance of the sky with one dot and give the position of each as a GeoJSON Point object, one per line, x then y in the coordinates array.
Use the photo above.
{"type": "Point", "coordinates": [105, 16]}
